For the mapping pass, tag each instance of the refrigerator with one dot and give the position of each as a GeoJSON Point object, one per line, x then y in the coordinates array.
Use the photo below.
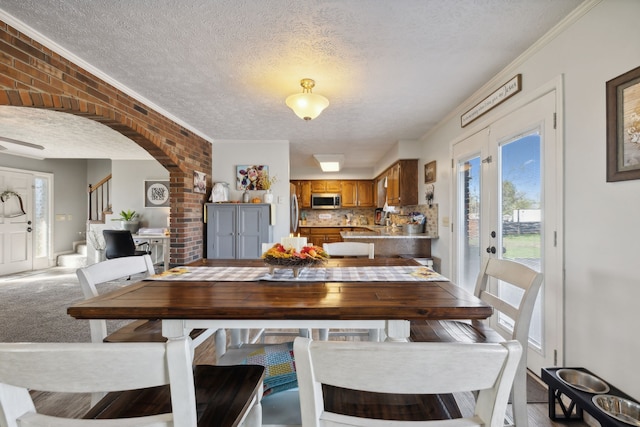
{"type": "Point", "coordinates": [295, 209]}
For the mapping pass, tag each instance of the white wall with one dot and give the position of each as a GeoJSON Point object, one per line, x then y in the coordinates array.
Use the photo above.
{"type": "Point", "coordinates": [602, 237]}
{"type": "Point", "coordinates": [405, 149]}
{"type": "Point", "coordinates": [275, 154]}
{"type": "Point", "coordinates": [127, 191]}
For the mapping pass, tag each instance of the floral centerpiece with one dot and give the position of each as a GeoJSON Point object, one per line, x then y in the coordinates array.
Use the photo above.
{"type": "Point", "coordinates": [280, 256]}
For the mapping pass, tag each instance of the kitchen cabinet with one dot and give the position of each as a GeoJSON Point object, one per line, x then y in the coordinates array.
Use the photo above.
{"type": "Point", "coordinates": [305, 232]}
{"type": "Point", "coordinates": [402, 183]}
{"type": "Point", "coordinates": [322, 186]}
{"type": "Point", "coordinates": [357, 194]}
{"type": "Point", "coordinates": [303, 192]}
{"type": "Point", "coordinates": [320, 235]}
{"type": "Point", "coordinates": [237, 231]}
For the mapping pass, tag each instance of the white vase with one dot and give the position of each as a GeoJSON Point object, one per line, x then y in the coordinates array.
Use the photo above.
{"type": "Point", "coordinates": [267, 197]}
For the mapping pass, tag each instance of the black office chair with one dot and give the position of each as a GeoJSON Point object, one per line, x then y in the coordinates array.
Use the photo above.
{"type": "Point", "coordinates": [120, 244]}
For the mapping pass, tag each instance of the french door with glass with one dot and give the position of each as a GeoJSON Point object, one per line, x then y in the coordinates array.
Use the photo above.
{"type": "Point", "coordinates": [508, 187]}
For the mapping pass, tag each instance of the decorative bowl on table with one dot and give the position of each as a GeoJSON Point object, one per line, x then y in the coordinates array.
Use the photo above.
{"type": "Point", "coordinates": [280, 257]}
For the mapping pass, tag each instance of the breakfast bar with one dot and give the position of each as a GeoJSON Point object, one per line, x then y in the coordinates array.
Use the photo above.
{"type": "Point", "coordinates": [392, 241]}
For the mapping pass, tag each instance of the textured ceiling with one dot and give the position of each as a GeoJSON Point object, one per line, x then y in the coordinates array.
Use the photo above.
{"type": "Point", "coordinates": [390, 69]}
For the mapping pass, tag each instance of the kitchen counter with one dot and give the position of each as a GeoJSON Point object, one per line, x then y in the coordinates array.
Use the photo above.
{"type": "Point", "coordinates": [392, 241]}
{"type": "Point", "coordinates": [388, 241]}
{"type": "Point", "coordinates": [374, 232]}
{"type": "Point", "coordinates": [381, 232]}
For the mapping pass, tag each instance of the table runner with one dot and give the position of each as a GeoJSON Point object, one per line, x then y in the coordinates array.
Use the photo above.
{"type": "Point", "coordinates": [309, 274]}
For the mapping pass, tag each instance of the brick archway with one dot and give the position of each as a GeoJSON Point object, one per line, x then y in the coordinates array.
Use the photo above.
{"type": "Point", "coordinates": [32, 75]}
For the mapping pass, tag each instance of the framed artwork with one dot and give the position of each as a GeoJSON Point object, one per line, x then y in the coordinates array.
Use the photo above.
{"type": "Point", "coordinates": [251, 177]}
{"type": "Point", "coordinates": [430, 172]}
{"type": "Point", "coordinates": [156, 194]}
{"type": "Point", "coordinates": [199, 182]}
{"type": "Point", "coordinates": [623, 127]}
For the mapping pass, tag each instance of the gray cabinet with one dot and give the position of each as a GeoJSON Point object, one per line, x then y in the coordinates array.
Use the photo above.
{"type": "Point", "coordinates": [237, 231]}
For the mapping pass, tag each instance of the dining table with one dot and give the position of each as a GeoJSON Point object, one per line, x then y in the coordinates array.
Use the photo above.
{"type": "Point", "coordinates": [378, 293]}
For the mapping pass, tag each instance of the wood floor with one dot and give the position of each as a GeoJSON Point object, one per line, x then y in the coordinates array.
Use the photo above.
{"type": "Point", "coordinates": [75, 405]}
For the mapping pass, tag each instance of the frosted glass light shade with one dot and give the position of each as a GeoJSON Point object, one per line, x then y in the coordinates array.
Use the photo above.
{"type": "Point", "coordinates": [307, 106]}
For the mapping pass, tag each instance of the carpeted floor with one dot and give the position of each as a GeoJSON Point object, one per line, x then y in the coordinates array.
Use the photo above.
{"type": "Point", "coordinates": [33, 307]}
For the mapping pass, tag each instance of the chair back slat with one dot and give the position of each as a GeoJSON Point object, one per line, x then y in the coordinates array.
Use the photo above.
{"type": "Point", "coordinates": [112, 269]}
{"type": "Point", "coordinates": [401, 368]}
{"type": "Point", "coordinates": [83, 367]}
{"type": "Point", "coordinates": [350, 249]}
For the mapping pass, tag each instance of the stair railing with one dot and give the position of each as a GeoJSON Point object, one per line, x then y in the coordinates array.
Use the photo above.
{"type": "Point", "coordinates": [99, 199]}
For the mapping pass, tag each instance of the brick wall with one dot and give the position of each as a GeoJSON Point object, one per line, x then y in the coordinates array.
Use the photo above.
{"type": "Point", "coordinates": [32, 75]}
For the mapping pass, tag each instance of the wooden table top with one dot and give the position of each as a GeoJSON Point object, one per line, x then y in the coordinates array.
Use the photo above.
{"type": "Point", "coordinates": [293, 300]}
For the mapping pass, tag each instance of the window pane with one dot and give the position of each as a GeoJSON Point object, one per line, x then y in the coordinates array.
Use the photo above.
{"type": "Point", "coordinates": [41, 213]}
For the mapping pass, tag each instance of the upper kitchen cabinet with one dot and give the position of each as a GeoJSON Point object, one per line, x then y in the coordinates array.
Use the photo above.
{"type": "Point", "coordinates": [322, 186]}
{"type": "Point", "coordinates": [402, 183]}
{"type": "Point", "coordinates": [303, 192]}
{"type": "Point", "coordinates": [357, 194]}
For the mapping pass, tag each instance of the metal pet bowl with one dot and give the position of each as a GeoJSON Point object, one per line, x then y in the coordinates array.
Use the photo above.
{"type": "Point", "coordinates": [619, 408]}
{"type": "Point", "coordinates": [582, 381]}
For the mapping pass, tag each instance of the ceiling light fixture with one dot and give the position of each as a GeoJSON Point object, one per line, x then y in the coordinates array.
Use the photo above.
{"type": "Point", "coordinates": [330, 162]}
{"type": "Point", "coordinates": [307, 105]}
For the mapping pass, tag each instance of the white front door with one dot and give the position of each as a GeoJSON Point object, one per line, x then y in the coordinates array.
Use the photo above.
{"type": "Point", "coordinates": [16, 222]}
{"type": "Point", "coordinates": [508, 185]}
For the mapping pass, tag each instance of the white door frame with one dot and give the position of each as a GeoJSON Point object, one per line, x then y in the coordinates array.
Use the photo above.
{"type": "Point", "coordinates": [557, 269]}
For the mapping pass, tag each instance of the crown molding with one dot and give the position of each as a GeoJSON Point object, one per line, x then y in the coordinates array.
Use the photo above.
{"type": "Point", "coordinates": [513, 67]}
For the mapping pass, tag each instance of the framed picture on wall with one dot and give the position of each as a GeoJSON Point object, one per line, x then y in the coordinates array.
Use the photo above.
{"type": "Point", "coordinates": [156, 194]}
{"type": "Point", "coordinates": [430, 172]}
{"type": "Point", "coordinates": [251, 177]}
{"type": "Point", "coordinates": [199, 182]}
{"type": "Point", "coordinates": [623, 127]}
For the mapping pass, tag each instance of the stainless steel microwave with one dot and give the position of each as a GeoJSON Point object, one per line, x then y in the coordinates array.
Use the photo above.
{"type": "Point", "coordinates": [326, 201]}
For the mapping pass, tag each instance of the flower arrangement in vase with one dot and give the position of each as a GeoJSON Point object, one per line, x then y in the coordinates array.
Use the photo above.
{"type": "Point", "coordinates": [265, 183]}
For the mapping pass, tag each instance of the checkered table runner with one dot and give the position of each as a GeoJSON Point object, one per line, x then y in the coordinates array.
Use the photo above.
{"type": "Point", "coordinates": [309, 274]}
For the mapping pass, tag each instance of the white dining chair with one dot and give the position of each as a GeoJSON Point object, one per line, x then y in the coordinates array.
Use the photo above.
{"type": "Point", "coordinates": [350, 250]}
{"type": "Point", "coordinates": [505, 272]}
{"type": "Point", "coordinates": [92, 277]}
{"type": "Point", "coordinates": [142, 389]}
{"type": "Point", "coordinates": [354, 370]}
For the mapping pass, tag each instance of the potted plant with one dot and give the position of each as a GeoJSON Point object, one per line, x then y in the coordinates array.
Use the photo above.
{"type": "Point", "coordinates": [129, 221]}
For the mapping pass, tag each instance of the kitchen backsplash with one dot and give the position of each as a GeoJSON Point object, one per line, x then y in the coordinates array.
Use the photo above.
{"type": "Point", "coordinates": [365, 216]}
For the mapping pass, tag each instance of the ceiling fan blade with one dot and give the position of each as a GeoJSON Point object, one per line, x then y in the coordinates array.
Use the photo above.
{"type": "Point", "coordinates": [24, 144]}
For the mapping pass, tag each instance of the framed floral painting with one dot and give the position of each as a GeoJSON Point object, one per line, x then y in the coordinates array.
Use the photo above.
{"type": "Point", "coordinates": [623, 127]}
